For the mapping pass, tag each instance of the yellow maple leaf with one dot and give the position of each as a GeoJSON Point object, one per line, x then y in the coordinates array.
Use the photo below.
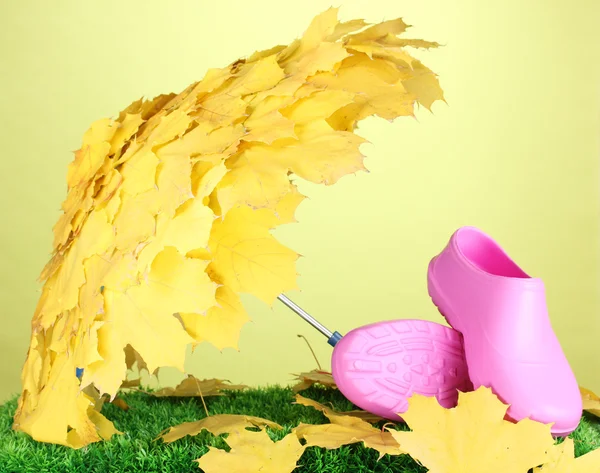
{"type": "Point", "coordinates": [187, 230]}
{"type": "Point", "coordinates": [266, 122]}
{"type": "Point", "coordinates": [333, 153]}
{"type": "Point", "coordinates": [562, 460]}
{"type": "Point", "coordinates": [380, 30]}
{"type": "Point", "coordinates": [174, 183]}
{"type": "Point", "coordinates": [256, 178]}
{"type": "Point", "coordinates": [591, 402]}
{"type": "Point", "coordinates": [216, 424]}
{"type": "Point", "coordinates": [343, 430]}
{"type": "Point", "coordinates": [424, 85]}
{"type": "Point", "coordinates": [206, 174]}
{"type": "Point", "coordinates": [474, 436]}
{"type": "Point", "coordinates": [341, 30]}
{"type": "Point", "coordinates": [377, 84]}
{"type": "Point", "coordinates": [323, 58]}
{"type": "Point", "coordinates": [222, 323]}
{"type": "Point", "coordinates": [109, 185]}
{"type": "Point", "coordinates": [253, 77]}
{"type": "Point", "coordinates": [127, 125]}
{"type": "Point", "coordinates": [318, 104]}
{"type": "Point", "coordinates": [253, 452]}
{"type": "Point", "coordinates": [393, 40]}
{"type": "Point", "coordinates": [359, 414]}
{"type": "Point", "coordinates": [204, 139]}
{"type": "Point", "coordinates": [140, 209]}
{"type": "Point", "coordinates": [284, 211]}
{"type": "Point", "coordinates": [320, 28]}
{"type": "Point", "coordinates": [248, 258]}
{"type": "Point", "coordinates": [161, 128]}
{"type": "Point", "coordinates": [91, 156]}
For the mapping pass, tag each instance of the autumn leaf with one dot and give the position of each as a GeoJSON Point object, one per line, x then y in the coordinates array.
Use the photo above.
{"type": "Point", "coordinates": [473, 436]}
{"type": "Point", "coordinates": [216, 424]}
{"type": "Point", "coordinates": [248, 258]}
{"type": "Point", "coordinates": [120, 403]}
{"type": "Point", "coordinates": [194, 387]}
{"type": "Point", "coordinates": [170, 210]}
{"type": "Point", "coordinates": [306, 380]}
{"type": "Point", "coordinates": [253, 452]}
{"type": "Point", "coordinates": [562, 460]}
{"type": "Point", "coordinates": [363, 415]}
{"type": "Point", "coordinates": [359, 414]}
{"type": "Point", "coordinates": [131, 383]}
{"type": "Point", "coordinates": [132, 358]}
{"type": "Point", "coordinates": [222, 323]}
{"type": "Point", "coordinates": [344, 430]}
{"type": "Point", "coordinates": [591, 402]}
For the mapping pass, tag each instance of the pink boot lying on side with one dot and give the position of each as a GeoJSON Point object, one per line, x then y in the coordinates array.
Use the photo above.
{"type": "Point", "coordinates": [508, 338]}
{"type": "Point", "coordinates": [379, 366]}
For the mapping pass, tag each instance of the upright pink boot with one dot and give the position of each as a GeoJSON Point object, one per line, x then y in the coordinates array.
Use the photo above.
{"type": "Point", "coordinates": [508, 338]}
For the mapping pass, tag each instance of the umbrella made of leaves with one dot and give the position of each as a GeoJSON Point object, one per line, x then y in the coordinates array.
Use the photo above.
{"type": "Point", "coordinates": [170, 208]}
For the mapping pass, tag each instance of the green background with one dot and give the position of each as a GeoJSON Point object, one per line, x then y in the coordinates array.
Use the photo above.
{"type": "Point", "coordinates": [515, 152]}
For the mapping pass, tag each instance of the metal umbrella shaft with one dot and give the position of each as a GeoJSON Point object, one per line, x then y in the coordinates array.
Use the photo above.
{"type": "Point", "coordinates": [332, 337]}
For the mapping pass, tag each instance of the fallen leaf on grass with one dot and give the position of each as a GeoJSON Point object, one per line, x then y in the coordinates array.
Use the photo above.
{"type": "Point", "coordinates": [323, 378]}
{"type": "Point", "coordinates": [359, 414]}
{"type": "Point", "coordinates": [344, 430]}
{"type": "Point", "coordinates": [563, 460]}
{"type": "Point", "coordinates": [364, 415]}
{"type": "Point", "coordinates": [194, 387]}
{"type": "Point", "coordinates": [472, 436]}
{"type": "Point", "coordinates": [120, 403]}
{"type": "Point", "coordinates": [591, 402]}
{"type": "Point", "coordinates": [217, 425]}
{"type": "Point", "coordinates": [131, 383]}
{"type": "Point", "coordinates": [253, 452]}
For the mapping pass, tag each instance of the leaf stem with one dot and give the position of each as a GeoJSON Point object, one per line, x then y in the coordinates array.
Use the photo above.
{"type": "Point", "coordinates": [312, 351]}
{"type": "Point", "coordinates": [201, 397]}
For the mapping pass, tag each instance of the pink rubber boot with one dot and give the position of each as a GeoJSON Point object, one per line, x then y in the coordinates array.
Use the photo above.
{"type": "Point", "coordinates": [508, 338]}
{"type": "Point", "coordinates": [379, 366]}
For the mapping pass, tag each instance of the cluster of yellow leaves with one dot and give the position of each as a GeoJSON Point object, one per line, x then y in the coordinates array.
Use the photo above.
{"type": "Point", "coordinates": [250, 451]}
{"type": "Point", "coordinates": [474, 436]}
{"type": "Point", "coordinates": [170, 208]}
{"type": "Point", "coordinates": [256, 452]}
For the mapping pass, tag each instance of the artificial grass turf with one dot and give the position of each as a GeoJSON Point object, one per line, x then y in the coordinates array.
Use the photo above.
{"type": "Point", "coordinates": [136, 450]}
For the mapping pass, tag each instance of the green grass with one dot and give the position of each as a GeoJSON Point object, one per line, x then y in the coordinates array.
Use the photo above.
{"type": "Point", "coordinates": [135, 451]}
